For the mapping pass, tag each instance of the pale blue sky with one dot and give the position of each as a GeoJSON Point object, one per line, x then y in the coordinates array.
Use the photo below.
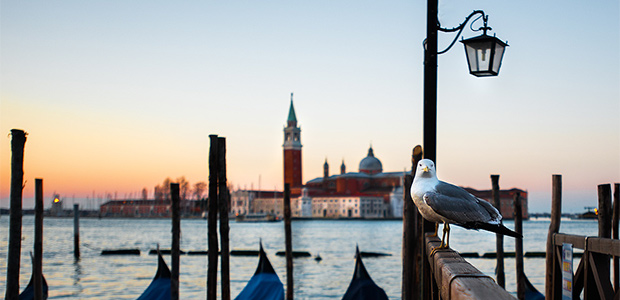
{"type": "Point", "coordinates": [118, 95]}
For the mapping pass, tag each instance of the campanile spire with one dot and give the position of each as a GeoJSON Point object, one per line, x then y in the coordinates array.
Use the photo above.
{"type": "Point", "coordinates": [292, 149]}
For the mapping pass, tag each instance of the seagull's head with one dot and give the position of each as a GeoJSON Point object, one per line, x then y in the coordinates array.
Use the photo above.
{"type": "Point", "coordinates": [426, 169]}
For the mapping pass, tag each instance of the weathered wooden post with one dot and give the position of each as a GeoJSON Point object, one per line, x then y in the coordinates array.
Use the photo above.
{"type": "Point", "coordinates": [499, 238]}
{"type": "Point", "coordinates": [38, 240]}
{"type": "Point", "coordinates": [616, 208]}
{"type": "Point", "coordinates": [551, 267]}
{"type": "Point", "coordinates": [175, 250]}
{"type": "Point", "coordinates": [224, 228]}
{"type": "Point", "coordinates": [519, 247]}
{"type": "Point", "coordinates": [18, 140]}
{"type": "Point", "coordinates": [601, 261]}
{"type": "Point", "coordinates": [212, 220]}
{"type": "Point", "coordinates": [411, 249]}
{"type": "Point", "coordinates": [76, 231]}
{"type": "Point", "coordinates": [288, 240]}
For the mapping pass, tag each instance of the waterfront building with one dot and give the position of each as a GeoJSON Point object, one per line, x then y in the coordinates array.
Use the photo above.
{"type": "Point", "coordinates": [130, 208]}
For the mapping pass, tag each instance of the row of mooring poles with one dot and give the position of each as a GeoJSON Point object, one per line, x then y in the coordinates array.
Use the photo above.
{"type": "Point", "coordinates": [218, 202]}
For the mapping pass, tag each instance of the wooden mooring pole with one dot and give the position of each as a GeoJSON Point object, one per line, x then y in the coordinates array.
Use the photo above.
{"type": "Point", "coordinates": [554, 227]}
{"type": "Point", "coordinates": [212, 220]}
{"type": "Point", "coordinates": [411, 249]}
{"type": "Point", "coordinates": [615, 234]}
{"type": "Point", "coordinates": [519, 247]}
{"type": "Point", "coordinates": [499, 238]}
{"type": "Point", "coordinates": [175, 250]}
{"type": "Point", "coordinates": [76, 231]}
{"type": "Point", "coordinates": [18, 140]}
{"type": "Point", "coordinates": [223, 199]}
{"type": "Point", "coordinates": [38, 240]}
{"type": "Point", "coordinates": [601, 262]}
{"type": "Point", "coordinates": [288, 240]}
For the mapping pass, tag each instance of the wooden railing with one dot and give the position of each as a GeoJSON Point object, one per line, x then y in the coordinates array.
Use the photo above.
{"type": "Point", "coordinates": [454, 278]}
{"type": "Point", "coordinates": [592, 276]}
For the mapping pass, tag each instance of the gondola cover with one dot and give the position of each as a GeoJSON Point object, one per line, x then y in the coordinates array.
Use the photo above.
{"type": "Point", "coordinates": [28, 293]}
{"type": "Point", "coordinates": [264, 284]}
{"type": "Point", "coordinates": [159, 289]}
{"type": "Point", "coordinates": [362, 287]}
{"type": "Point", "coordinates": [531, 293]}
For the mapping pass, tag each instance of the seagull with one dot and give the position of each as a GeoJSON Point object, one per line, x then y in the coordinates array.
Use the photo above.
{"type": "Point", "coordinates": [442, 202]}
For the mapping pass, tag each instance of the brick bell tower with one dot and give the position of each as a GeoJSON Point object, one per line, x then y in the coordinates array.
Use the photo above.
{"type": "Point", "coordinates": [292, 151]}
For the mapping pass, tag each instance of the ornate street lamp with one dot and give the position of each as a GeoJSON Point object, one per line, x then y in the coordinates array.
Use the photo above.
{"type": "Point", "coordinates": [484, 53]}
{"type": "Point", "coordinates": [484, 57]}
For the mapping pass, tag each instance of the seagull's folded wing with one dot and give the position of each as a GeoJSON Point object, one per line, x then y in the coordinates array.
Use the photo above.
{"type": "Point", "coordinates": [460, 207]}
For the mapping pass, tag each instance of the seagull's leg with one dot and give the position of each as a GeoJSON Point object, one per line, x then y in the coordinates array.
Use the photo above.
{"type": "Point", "coordinates": [446, 228]}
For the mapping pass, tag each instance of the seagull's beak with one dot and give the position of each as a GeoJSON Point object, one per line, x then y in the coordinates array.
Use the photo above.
{"type": "Point", "coordinates": [425, 169]}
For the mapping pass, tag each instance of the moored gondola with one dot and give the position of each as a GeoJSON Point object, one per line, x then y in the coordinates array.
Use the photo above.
{"type": "Point", "coordinates": [28, 293]}
{"type": "Point", "coordinates": [159, 289]}
{"type": "Point", "coordinates": [265, 283]}
{"type": "Point", "coordinates": [362, 287]}
{"type": "Point", "coordinates": [531, 293]}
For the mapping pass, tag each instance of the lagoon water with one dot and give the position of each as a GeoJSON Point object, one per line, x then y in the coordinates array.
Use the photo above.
{"type": "Point", "coordinates": [125, 277]}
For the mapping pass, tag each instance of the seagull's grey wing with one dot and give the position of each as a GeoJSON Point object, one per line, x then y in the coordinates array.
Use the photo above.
{"type": "Point", "coordinates": [459, 206]}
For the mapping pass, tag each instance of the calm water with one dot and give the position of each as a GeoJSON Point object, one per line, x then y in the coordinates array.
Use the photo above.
{"type": "Point", "coordinates": [125, 277]}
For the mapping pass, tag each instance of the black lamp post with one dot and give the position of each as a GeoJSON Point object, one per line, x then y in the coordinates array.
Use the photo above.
{"type": "Point", "coordinates": [484, 57]}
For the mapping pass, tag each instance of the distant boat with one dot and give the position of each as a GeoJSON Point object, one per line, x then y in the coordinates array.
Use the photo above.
{"type": "Point", "coordinates": [265, 283]}
{"type": "Point", "coordinates": [28, 293]}
{"type": "Point", "coordinates": [362, 287]}
{"type": "Point", "coordinates": [159, 289]}
{"type": "Point", "coordinates": [257, 217]}
{"type": "Point", "coordinates": [591, 213]}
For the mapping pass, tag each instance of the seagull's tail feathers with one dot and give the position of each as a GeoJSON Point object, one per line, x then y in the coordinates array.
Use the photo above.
{"type": "Point", "coordinates": [499, 228]}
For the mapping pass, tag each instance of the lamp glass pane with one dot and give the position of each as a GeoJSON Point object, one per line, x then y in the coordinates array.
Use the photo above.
{"type": "Point", "coordinates": [479, 56]}
{"type": "Point", "coordinates": [497, 60]}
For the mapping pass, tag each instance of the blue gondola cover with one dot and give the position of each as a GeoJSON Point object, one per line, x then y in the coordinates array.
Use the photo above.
{"type": "Point", "coordinates": [265, 284]}
{"type": "Point", "coordinates": [159, 289]}
{"type": "Point", "coordinates": [28, 292]}
{"type": "Point", "coordinates": [362, 287]}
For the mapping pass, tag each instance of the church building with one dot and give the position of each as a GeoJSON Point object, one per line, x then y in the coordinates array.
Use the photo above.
{"type": "Point", "coordinates": [366, 193]}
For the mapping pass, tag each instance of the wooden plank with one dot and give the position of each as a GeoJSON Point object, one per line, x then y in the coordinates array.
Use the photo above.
{"type": "Point", "coordinates": [604, 246]}
{"type": "Point", "coordinates": [457, 279]}
{"type": "Point", "coordinates": [578, 241]}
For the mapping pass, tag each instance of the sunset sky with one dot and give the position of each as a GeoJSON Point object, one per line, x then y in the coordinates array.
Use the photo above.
{"type": "Point", "coordinates": [118, 95]}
